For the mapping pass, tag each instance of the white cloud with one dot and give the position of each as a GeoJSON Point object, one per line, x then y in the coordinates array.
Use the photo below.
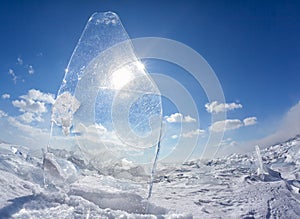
{"type": "Point", "coordinates": [26, 128]}
{"type": "Point", "coordinates": [174, 136]}
{"type": "Point", "coordinates": [250, 121]}
{"type": "Point", "coordinates": [12, 73]}
{"type": "Point", "coordinates": [291, 121]}
{"type": "Point", "coordinates": [193, 133]}
{"type": "Point", "coordinates": [29, 105]}
{"type": "Point", "coordinates": [2, 114]}
{"type": "Point", "coordinates": [289, 127]}
{"type": "Point", "coordinates": [188, 118]}
{"type": "Point", "coordinates": [5, 96]}
{"type": "Point", "coordinates": [29, 117]}
{"type": "Point", "coordinates": [39, 96]}
{"type": "Point", "coordinates": [30, 70]}
{"type": "Point", "coordinates": [178, 117]}
{"type": "Point", "coordinates": [96, 128]}
{"type": "Point", "coordinates": [231, 124]}
{"type": "Point", "coordinates": [228, 124]}
{"type": "Point", "coordinates": [216, 107]}
{"type": "Point", "coordinates": [228, 142]}
{"type": "Point", "coordinates": [20, 61]}
{"type": "Point", "coordinates": [97, 136]}
{"type": "Point", "coordinates": [33, 105]}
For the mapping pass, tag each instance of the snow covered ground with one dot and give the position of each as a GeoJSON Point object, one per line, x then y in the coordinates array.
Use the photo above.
{"type": "Point", "coordinates": [237, 186]}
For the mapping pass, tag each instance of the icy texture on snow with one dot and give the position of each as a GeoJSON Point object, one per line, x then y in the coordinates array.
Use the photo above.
{"type": "Point", "coordinates": [58, 171]}
{"type": "Point", "coordinates": [230, 187]}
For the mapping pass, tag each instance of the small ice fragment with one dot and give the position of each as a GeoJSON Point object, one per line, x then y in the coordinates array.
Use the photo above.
{"type": "Point", "coordinates": [58, 171]}
{"type": "Point", "coordinates": [63, 109]}
{"type": "Point", "coordinates": [13, 149]}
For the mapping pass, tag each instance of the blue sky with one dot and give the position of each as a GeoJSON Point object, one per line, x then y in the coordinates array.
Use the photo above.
{"type": "Point", "coordinates": [253, 47]}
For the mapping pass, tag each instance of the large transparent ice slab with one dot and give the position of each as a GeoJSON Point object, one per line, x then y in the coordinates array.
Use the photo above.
{"type": "Point", "coordinates": [108, 111]}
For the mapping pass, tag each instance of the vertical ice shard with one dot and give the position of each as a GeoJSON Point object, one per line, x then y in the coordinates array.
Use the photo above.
{"type": "Point", "coordinates": [260, 169]}
{"type": "Point", "coordinates": [108, 103]}
{"type": "Point", "coordinates": [264, 172]}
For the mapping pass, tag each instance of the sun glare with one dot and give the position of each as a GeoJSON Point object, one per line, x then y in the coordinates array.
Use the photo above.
{"type": "Point", "coordinates": [125, 74]}
{"type": "Point", "coordinates": [140, 65]}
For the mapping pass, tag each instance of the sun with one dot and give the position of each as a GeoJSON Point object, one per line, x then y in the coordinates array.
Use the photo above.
{"type": "Point", "coordinates": [125, 74]}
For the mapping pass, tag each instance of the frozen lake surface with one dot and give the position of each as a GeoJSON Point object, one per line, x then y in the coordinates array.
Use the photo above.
{"type": "Point", "coordinates": [233, 187]}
